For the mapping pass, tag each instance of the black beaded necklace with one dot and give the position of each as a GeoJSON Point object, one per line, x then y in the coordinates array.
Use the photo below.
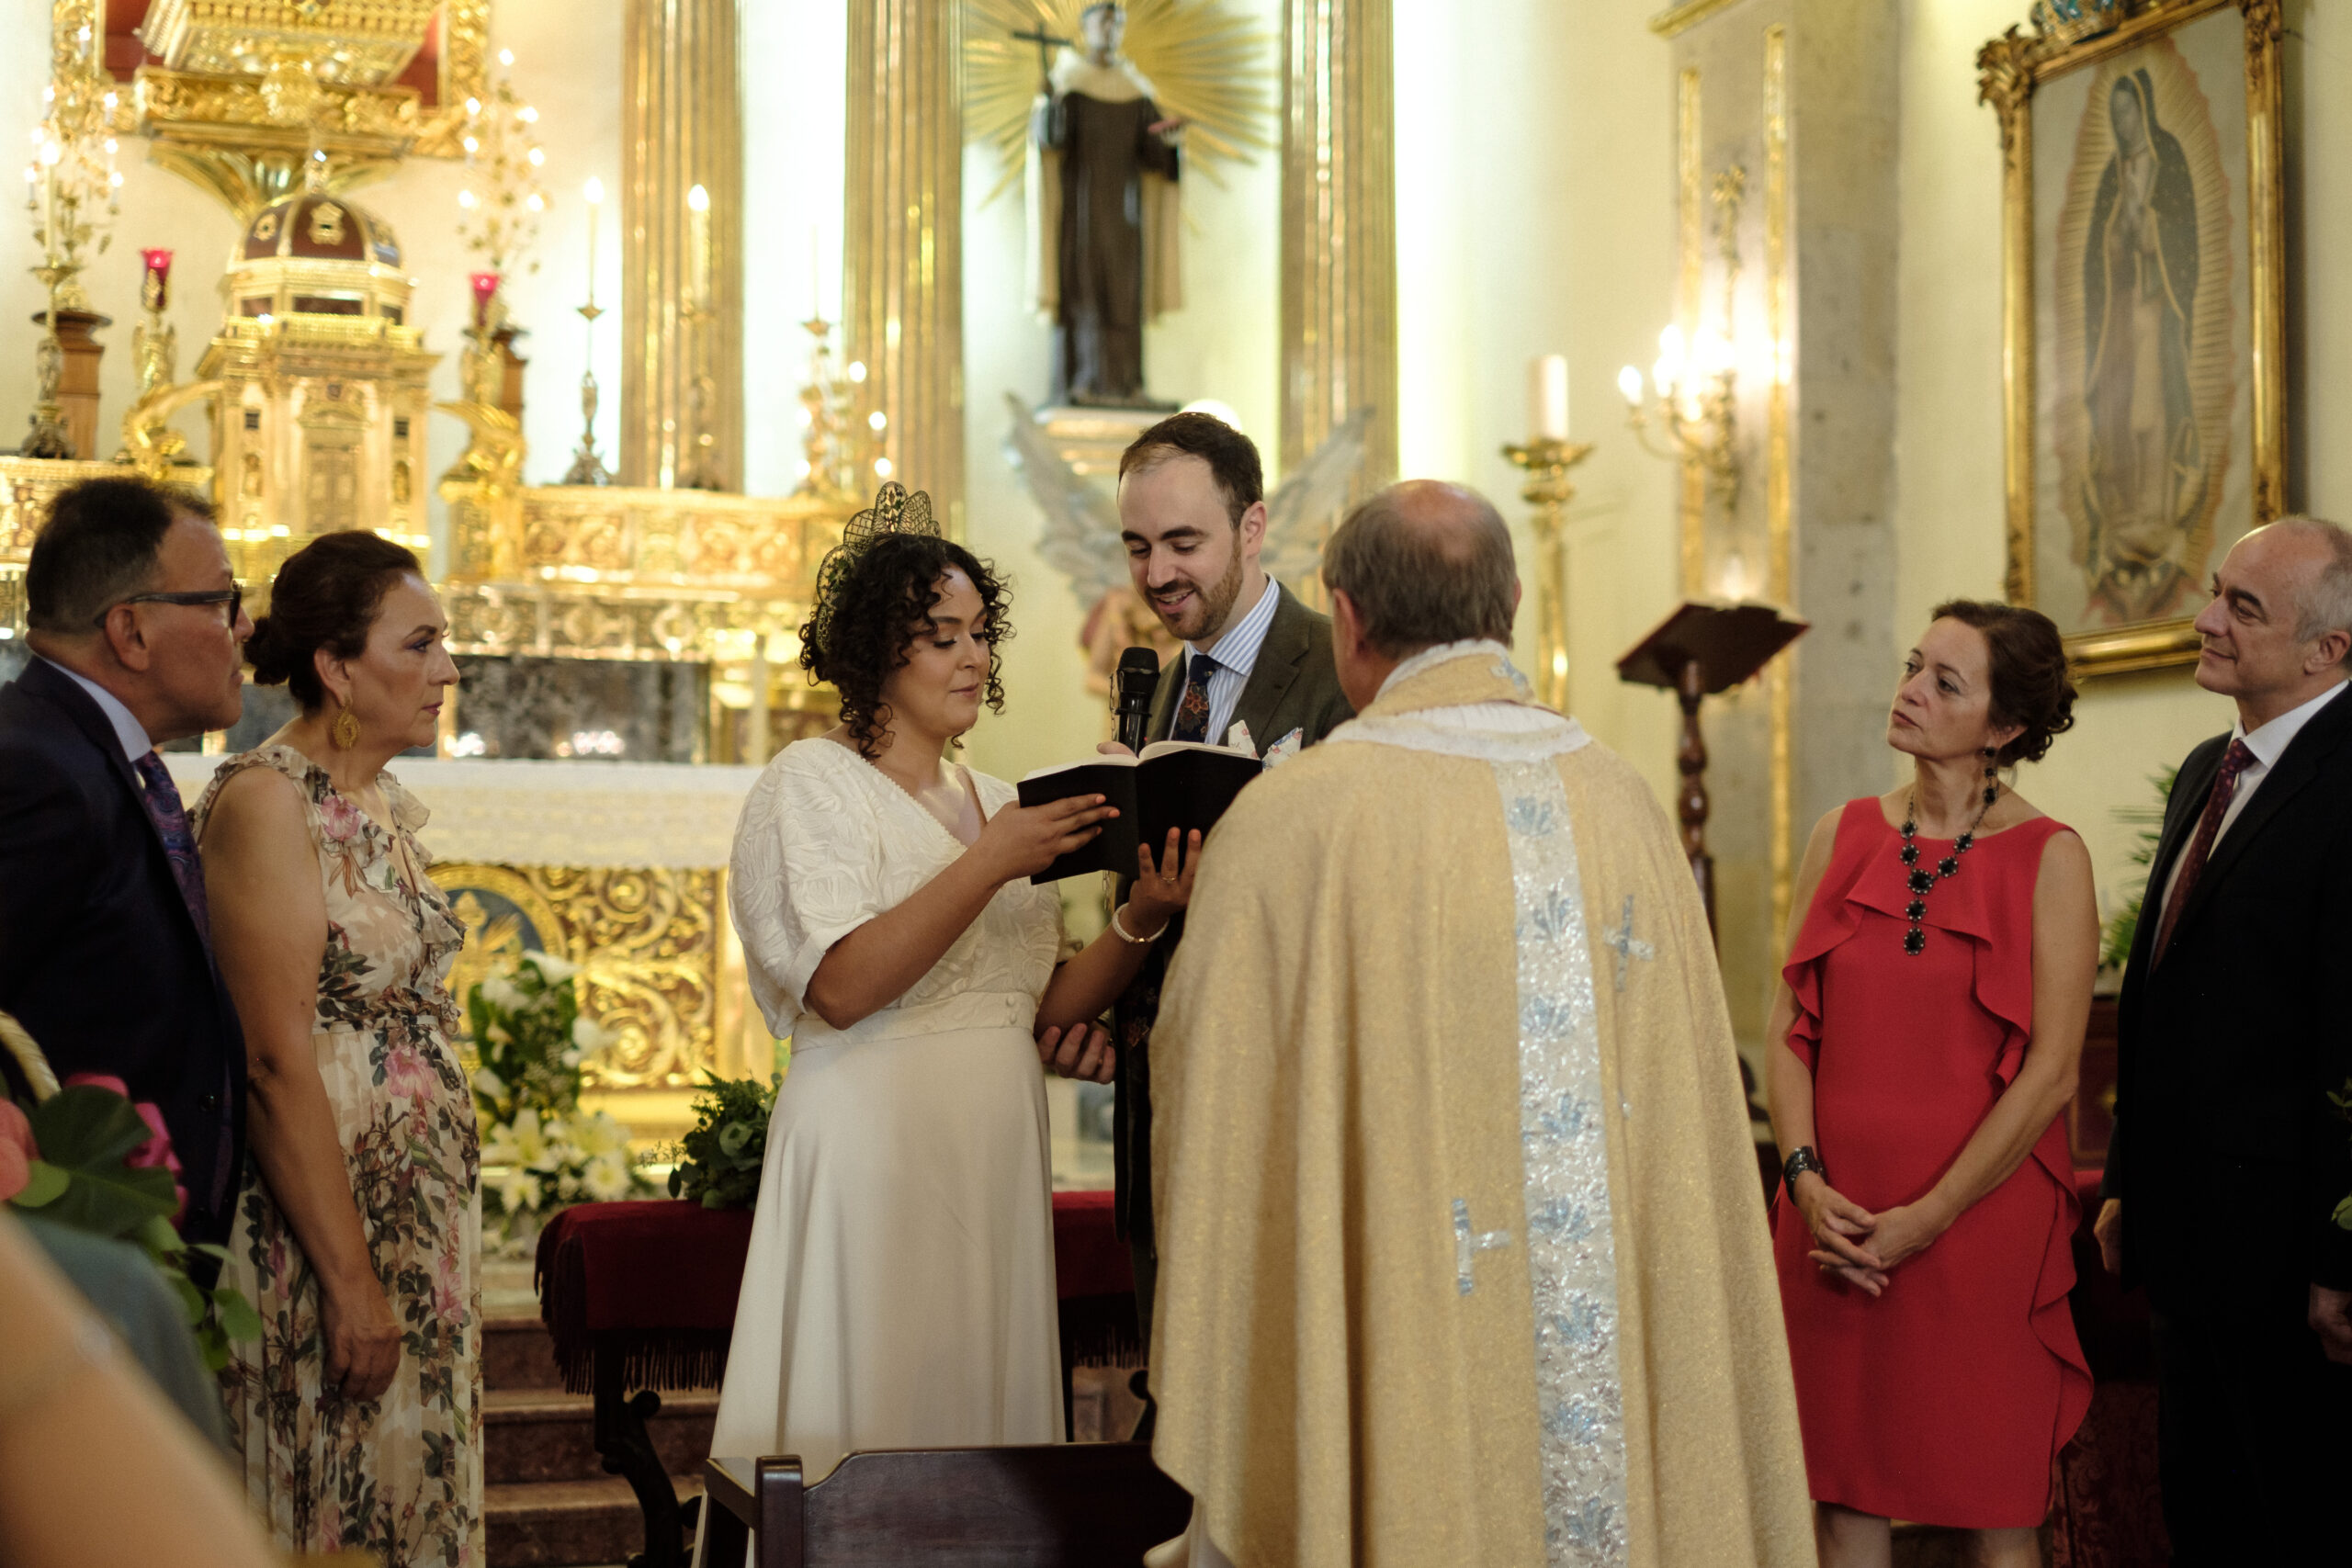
{"type": "Point", "coordinates": [1922, 882]}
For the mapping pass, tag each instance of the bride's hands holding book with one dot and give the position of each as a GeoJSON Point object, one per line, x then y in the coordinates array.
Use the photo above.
{"type": "Point", "coordinates": [1021, 840]}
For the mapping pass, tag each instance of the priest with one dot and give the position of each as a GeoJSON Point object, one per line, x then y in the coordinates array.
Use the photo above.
{"type": "Point", "coordinates": [1463, 1256]}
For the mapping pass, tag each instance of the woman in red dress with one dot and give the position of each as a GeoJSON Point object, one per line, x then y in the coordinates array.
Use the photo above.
{"type": "Point", "coordinates": [1932, 1006]}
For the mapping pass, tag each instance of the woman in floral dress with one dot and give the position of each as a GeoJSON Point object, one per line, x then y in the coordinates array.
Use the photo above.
{"type": "Point", "coordinates": [358, 1412]}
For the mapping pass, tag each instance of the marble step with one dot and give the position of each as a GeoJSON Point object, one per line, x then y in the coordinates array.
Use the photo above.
{"type": "Point", "coordinates": [518, 1353]}
{"type": "Point", "coordinates": [535, 1435]}
{"type": "Point", "coordinates": [563, 1524]}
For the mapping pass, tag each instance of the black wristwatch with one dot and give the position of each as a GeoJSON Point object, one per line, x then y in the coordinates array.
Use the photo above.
{"type": "Point", "coordinates": [1798, 1163]}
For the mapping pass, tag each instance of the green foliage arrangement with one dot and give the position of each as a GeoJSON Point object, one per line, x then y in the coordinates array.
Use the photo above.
{"type": "Point", "coordinates": [89, 1159]}
{"type": "Point", "coordinates": [526, 1022]}
{"type": "Point", "coordinates": [718, 1164]}
{"type": "Point", "coordinates": [2150, 819]}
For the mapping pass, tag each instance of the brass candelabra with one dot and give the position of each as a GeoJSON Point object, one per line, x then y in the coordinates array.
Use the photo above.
{"type": "Point", "coordinates": [1546, 461]}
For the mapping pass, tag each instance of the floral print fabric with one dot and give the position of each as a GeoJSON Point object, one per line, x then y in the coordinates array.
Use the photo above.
{"type": "Point", "coordinates": [400, 1479]}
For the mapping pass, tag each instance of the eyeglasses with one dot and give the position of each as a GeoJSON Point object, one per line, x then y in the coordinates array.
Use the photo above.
{"type": "Point", "coordinates": [232, 596]}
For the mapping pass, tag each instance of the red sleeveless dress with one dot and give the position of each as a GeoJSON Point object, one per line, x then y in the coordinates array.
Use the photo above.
{"type": "Point", "coordinates": [1943, 1400]}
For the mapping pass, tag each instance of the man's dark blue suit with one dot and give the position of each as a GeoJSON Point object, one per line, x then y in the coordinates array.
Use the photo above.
{"type": "Point", "coordinates": [99, 958]}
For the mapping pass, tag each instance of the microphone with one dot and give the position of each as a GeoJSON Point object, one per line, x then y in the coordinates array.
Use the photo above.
{"type": "Point", "coordinates": [1131, 691]}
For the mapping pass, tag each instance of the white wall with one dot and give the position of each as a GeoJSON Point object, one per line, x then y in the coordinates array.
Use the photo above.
{"type": "Point", "coordinates": [795, 84]}
{"type": "Point", "coordinates": [1535, 215]}
{"type": "Point", "coordinates": [1948, 377]}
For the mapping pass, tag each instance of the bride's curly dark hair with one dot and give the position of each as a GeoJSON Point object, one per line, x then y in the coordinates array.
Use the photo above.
{"type": "Point", "coordinates": [869, 613]}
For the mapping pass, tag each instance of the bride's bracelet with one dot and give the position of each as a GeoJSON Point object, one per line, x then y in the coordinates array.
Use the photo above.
{"type": "Point", "coordinates": [1119, 928]}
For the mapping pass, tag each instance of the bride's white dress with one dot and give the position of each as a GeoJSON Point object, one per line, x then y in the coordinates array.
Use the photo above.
{"type": "Point", "coordinates": [900, 1288]}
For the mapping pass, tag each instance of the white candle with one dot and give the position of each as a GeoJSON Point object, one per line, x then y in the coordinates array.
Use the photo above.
{"type": "Point", "coordinates": [1547, 397]}
{"type": "Point", "coordinates": [699, 241]}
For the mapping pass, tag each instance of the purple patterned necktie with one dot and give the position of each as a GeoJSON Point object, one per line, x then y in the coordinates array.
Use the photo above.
{"type": "Point", "coordinates": [162, 798]}
{"type": "Point", "coordinates": [1193, 712]}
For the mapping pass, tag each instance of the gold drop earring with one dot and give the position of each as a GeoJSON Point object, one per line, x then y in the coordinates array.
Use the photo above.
{"type": "Point", "coordinates": [344, 731]}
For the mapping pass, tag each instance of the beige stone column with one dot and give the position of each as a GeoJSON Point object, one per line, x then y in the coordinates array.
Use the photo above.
{"type": "Point", "coordinates": [682, 276]}
{"type": "Point", "coordinates": [1338, 239]}
{"type": "Point", "coordinates": [902, 264]}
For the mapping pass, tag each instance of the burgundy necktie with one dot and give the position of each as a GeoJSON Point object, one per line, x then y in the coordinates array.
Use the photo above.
{"type": "Point", "coordinates": [162, 798]}
{"type": "Point", "coordinates": [2209, 826]}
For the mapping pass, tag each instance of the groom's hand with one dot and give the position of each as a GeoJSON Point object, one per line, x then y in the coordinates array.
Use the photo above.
{"type": "Point", "coordinates": [1082, 1050]}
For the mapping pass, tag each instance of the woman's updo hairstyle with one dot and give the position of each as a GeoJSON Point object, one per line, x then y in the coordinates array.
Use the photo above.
{"type": "Point", "coordinates": [874, 593]}
{"type": "Point", "coordinates": [2031, 685]}
{"type": "Point", "coordinates": [326, 596]}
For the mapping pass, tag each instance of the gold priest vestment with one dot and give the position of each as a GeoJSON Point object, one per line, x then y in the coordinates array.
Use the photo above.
{"type": "Point", "coordinates": [1463, 1256]}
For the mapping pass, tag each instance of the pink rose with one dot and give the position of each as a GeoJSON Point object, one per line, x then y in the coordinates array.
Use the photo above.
{"type": "Point", "coordinates": [339, 820]}
{"type": "Point", "coordinates": [157, 1150]}
{"type": "Point", "coordinates": [407, 1073]}
{"type": "Point", "coordinates": [16, 1150]}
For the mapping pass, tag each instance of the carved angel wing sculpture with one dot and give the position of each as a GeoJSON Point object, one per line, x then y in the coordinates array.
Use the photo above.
{"type": "Point", "coordinates": [1081, 535]}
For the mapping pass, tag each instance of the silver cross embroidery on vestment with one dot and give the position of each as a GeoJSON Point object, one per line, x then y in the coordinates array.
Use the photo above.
{"type": "Point", "coordinates": [1469, 1243]}
{"type": "Point", "coordinates": [1621, 939]}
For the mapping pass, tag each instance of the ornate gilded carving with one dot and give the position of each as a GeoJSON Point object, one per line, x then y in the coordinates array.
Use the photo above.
{"type": "Point", "coordinates": [647, 943]}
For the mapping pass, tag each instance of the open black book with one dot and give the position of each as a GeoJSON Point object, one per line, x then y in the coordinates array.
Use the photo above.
{"type": "Point", "coordinates": [1182, 784]}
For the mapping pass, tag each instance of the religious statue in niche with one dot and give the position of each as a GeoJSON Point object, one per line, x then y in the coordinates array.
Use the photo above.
{"type": "Point", "coordinates": [1104, 215]}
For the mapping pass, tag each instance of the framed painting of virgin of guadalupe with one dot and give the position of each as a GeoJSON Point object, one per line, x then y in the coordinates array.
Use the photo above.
{"type": "Point", "coordinates": [2143, 332]}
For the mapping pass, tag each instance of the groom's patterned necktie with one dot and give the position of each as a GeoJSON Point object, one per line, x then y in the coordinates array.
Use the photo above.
{"type": "Point", "coordinates": [2209, 828]}
{"type": "Point", "coordinates": [1193, 713]}
{"type": "Point", "coordinates": [162, 798]}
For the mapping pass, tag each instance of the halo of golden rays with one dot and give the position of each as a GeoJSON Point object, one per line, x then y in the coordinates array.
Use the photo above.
{"type": "Point", "coordinates": [1208, 66]}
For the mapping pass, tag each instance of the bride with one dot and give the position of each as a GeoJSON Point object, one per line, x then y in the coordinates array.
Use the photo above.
{"type": "Point", "coordinates": [900, 1287]}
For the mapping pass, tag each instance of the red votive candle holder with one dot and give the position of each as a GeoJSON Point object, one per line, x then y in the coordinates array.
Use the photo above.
{"type": "Point", "coordinates": [485, 289]}
{"type": "Point", "coordinates": [157, 284]}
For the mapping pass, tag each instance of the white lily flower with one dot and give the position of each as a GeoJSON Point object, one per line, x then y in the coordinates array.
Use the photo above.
{"type": "Point", "coordinates": [519, 1193]}
{"type": "Point", "coordinates": [488, 1083]}
{"type": "Point", "coordinates": [589, 1036]}
{"type": "Point", "coordinates": [553, 970]}
{"type": "Point", "coordinates": [500, 992]}
{"type": "Point", "coordinates": [599, 1134]}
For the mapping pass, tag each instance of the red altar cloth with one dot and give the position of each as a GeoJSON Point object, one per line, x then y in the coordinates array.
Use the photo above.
{"type": "Point", "coordinates": [655, 1282]}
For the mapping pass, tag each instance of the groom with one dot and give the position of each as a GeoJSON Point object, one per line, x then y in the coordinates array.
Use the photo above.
{"type": "Point", "coordinates": [1193, 513]}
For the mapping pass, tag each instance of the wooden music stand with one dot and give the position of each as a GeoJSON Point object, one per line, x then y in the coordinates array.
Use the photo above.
{"type": "Point", "coordinates": [1701, 650]}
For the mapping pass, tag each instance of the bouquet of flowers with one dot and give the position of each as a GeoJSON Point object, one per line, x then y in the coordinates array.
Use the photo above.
{"type": "Point", "coordinates": [527, 1030]}
{"type": "Point", "coordinates": [719, 1162]}
{"type": "Point", "coordinates": [85, 1155]}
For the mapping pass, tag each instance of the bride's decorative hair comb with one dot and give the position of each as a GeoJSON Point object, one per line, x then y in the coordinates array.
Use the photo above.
{"type": "Point", "coordinates": [896, 510]}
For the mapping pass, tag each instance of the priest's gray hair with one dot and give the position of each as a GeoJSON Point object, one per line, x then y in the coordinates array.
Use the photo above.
{"type": "Point", "coordinates": [2325, 604]}
{"type": "Point", "coordinates": [1425, 563]}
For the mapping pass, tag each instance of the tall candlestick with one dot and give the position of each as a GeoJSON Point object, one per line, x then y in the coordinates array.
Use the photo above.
{"type": "Point", "coordinates": [1547, 397]}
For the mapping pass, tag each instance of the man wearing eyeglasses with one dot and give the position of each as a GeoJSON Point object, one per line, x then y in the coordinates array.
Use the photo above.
{"type": "Point", "coordinates": [137, 628]}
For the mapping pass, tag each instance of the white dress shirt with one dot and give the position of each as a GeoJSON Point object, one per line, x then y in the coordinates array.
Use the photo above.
{"type": "Point", "coordinates": [1235, 654]}
{"type": "Point", "coordinates": [2268, 744]}
{"type": "Point", "coordinates": [128, 731]}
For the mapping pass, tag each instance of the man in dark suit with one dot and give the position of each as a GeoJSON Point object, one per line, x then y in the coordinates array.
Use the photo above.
{"type": "Point", "coordinates": [137, 631]}
{"type": "Point", "coordinates": [2228, 1160]}
{"type": "Point", "coordinates": [1257, 664]}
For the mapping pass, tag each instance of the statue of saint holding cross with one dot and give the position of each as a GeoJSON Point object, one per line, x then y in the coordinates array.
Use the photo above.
{"type": "Point", "coordinates": [1102, 213]}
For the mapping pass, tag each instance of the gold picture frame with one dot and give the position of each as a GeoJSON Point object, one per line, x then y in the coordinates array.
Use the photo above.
{"type": "Point", "coordinates": [2144, 303]}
